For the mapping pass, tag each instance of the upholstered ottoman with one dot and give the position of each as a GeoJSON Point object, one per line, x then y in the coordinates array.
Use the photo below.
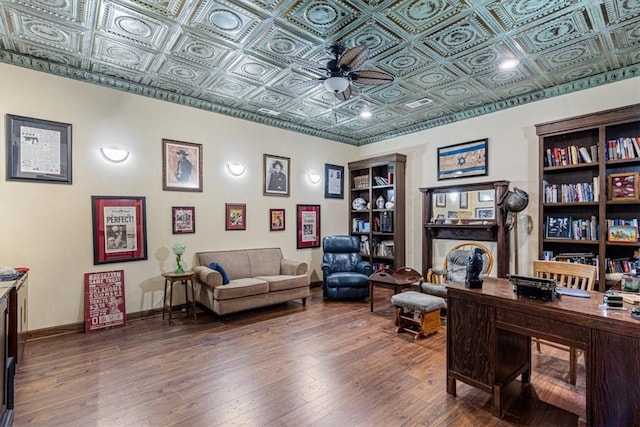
{"type": "Point", "coordinates": [417, 313]}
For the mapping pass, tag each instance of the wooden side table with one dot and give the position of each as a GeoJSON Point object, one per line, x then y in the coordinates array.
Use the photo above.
{"type": "Point", "coordinates": [169, 279]}
{"type": "Point", "coordinates": [398, 280]}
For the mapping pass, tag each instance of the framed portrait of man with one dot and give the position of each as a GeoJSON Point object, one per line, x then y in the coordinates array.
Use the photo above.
{"type": "Point", "coordinates": [276, 175]}
{"type": "Point", "coordinates": [181, 166]}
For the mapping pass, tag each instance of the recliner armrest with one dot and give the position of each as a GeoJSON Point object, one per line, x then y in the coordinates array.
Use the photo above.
{"type": "Point", "coordinates": [293, 268]}
{"type": "Point", "coordinates": [208, 276]}
{"type": "Point", "coordinates": [364, 267]}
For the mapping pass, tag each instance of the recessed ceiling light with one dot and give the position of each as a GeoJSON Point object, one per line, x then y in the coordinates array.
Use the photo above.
{"type": "Point", "coordinates": [366, 114]}
{"type": "Point", "coordinates": [508, 64]}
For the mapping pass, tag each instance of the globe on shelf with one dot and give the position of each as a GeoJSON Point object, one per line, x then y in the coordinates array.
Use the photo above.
{"type": "Point", "coordinates": [178, 250]}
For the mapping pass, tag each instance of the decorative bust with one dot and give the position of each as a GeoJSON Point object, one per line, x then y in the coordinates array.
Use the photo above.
{"type": "Point", "coordinates": [474, 268]}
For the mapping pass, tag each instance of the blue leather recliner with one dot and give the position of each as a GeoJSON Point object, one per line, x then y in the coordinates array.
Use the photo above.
{"type": "Point", "coordinates": [345, 274]}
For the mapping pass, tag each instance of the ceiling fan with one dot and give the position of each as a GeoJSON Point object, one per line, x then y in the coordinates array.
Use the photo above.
{"type": "Point", "coordinates": [341, 71]}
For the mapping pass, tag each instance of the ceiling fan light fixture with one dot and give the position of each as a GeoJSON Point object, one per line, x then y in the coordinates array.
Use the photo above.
{"type": "Point", "coordinates": [336, 84]}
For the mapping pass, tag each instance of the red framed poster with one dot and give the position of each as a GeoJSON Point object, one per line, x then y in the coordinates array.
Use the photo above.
{"type": "Point", "coordinates": [104, 305]}
{"type": "Point", "coordinates": [308, 226]}
{"type": "Point", "coordinates": [119, 229]}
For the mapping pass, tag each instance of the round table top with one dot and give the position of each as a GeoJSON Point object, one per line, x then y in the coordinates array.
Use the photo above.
{"type": "Point", "coordinates": [174, 275]}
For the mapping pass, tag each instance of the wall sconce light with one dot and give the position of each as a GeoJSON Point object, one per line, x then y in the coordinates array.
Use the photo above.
{"type": "Point", "coordinates": [236, 169]}
{"type": "Point", "coordinates": [313, 177]}
{"type": "Point", "coordinates": [114, 155]}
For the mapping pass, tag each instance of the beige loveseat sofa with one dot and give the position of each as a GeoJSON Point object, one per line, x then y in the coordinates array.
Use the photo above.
{"type": "Point", "coordinates": [257, 278]}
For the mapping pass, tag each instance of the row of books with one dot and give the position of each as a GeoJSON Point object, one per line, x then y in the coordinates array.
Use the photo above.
{"type": "Point", "coordinates": [377, 266]}
{"type": "Point", "coordinates": [361, 182]}
{"type": "Point", "coordinates": [622, 222]}
{"type": "Point", "coordinates": [566, 227]}
{"type": "Point", "coordinates": [360, 226]}
{"type": "Point", "coordinates": [384, 248]}
{"type": "Point", "coordinates": [572, 193]}
{"type": "Point", "coordinates": [571, 155]}
{"type": "Point", "coordinates": [622, 148]}
{"type": "Point", "coordinates": [620, 265]}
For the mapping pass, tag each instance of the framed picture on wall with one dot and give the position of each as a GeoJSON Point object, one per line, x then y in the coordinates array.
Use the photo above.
{"type": "Point", "coordinates": [181, 166]}
{"type": "Point", "coordinates": [236, 216]}
{"type": "Point", "coordinates": [276, 175]}
{"type": "Point", "coordinates": [276, 220]}
{"type": "Point", "coordinates": [38, 150]}
{"type": "Point", "coordinates": [119, 229]}
{"type": "Point", "coordinates": [463, 160]}
{"type": "Point", "coordinates": [441, 200]}
{"type": "Point", "coordinates": [308, 226]}
{"type": "Point", "coordinates": [184, 219]}
{"type": "Point", "coordinates": [333, 181]}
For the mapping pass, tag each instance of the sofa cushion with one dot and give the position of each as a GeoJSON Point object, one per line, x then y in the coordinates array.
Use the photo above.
{"type": "Point", "coordinates": [238, 288]}
{"type": "Point", "coordinates": [264, 262]}
{"type": "Point", "coordinates": [220, 269]}
{"type": "Point", "coordinates": [282, 282]}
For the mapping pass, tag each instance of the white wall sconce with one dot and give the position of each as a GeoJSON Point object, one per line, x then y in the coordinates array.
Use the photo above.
{"type": "Point", "coordinates": [313, 177]}
{"type": "Point", "coordinates": [114, 155]}
{"type": "Point", "coordinates": [236, 169]}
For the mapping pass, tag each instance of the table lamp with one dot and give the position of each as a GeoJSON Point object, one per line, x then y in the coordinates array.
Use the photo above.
{"type": "Point", "coordinates": [178, 249]}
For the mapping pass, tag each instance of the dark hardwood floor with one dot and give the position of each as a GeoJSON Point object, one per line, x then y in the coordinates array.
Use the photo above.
{"type": "Point", "coordinates": [326, 364]}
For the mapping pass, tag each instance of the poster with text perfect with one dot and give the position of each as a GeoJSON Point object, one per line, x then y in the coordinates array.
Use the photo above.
{"type": "Point", "coordinates": [104, 305]}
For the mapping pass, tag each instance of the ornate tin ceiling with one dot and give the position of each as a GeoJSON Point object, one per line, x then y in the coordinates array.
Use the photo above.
{"type": "Point", "coordinates": [230, 56]}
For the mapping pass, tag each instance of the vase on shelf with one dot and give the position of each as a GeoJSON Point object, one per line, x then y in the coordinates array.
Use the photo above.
{"type": "Point", "coordinates": [178, 250]}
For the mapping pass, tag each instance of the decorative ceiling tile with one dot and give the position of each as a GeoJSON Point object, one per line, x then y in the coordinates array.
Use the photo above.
{"type": "Point", "coordinates": [119, 21]}
{"type": "Point", "coordinates": [233, 57]}
{"type": "Point", "coordinates": [417, 16]}
{"type": "Point", "coordinates": [224, 20]}
{"type": "Point", "coordinates": [464, 34]}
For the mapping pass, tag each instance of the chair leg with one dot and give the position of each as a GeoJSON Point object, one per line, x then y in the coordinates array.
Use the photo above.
{"type": "Point", "coordinates": [573, 365]}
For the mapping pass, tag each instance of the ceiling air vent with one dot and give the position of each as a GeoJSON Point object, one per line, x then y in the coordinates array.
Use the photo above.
{"type": "Point", "coordinates": [419, 103]}
{"type": "Point", "coordinates": [268, 111]}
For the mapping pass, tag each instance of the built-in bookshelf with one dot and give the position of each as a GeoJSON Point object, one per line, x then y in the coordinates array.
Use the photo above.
{"type": "Point", "coordinates": [589, 191]}
{"type": "Point", "coordinates": [377, 209]}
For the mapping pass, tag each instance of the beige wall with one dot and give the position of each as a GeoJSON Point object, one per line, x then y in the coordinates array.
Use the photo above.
{"type": "Point", "coordinates": [48, 227]}
{"type": "Point", "coordinates": [512, 156]}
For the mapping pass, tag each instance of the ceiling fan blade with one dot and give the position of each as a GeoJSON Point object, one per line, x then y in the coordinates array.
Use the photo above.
{"type": "Point", "coordinates": [354, 57]}
{"type": "Point", "coordinates": [307, 63]}
{"type": "Point", "coordinates": [344, 95]}
{"type": "Point", "coordinates": [370, 77]}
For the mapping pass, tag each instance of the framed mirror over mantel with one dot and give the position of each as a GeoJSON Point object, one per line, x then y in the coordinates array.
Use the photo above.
{"type": "Point", "coordinates": [465, 212]}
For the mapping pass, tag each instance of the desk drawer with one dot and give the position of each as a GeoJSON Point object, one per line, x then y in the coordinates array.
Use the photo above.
{"type": "Point", "coordinates": [552, 330]}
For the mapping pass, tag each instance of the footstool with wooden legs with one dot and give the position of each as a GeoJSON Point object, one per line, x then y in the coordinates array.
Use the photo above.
{"type": "Point", "coordinates": [417, 313]}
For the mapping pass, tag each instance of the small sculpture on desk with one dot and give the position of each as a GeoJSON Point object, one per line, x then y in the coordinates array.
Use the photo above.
{"type": "Point", "coordinates": [178, 249]}
{"type": "Point", "coordinates": [474, 268]}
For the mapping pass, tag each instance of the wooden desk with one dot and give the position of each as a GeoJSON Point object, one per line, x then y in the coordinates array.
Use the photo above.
{"type": "Point", "coordinates": [183, 278]}
{"type": "Point", "coordinates": [489, 345]}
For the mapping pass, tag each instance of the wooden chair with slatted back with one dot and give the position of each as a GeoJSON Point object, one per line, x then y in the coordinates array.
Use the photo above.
{"type": "Point", "coordinates": [570, 275]}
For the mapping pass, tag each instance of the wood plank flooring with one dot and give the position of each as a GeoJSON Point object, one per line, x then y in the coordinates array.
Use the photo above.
{"type": "Point", "coordinates": [326, 364]}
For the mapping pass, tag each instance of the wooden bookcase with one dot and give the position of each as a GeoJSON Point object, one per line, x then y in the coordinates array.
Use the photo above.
{"type": "Point", "coordinates": [380, 228]}
{"type": "Point", "coordinates": [576, 204]}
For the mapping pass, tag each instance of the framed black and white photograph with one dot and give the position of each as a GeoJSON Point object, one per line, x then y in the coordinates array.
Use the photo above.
{"type": "Point", "coordinates": [333, 181]}
{"type": "Point", "coordinates": [464, 200]}
{"type": "Point", "coordinates": [38, 150]}
{"type": "Point", "coordinates": [276, 175]}
{"type": "Point", "coordinates": [463, 160]}
{"type": "Point", "coordinates": [441, 200]}
{"type": "Point", "coordinates": [181, 166]}
{"type": "Point", "coordinates": [485, 213]}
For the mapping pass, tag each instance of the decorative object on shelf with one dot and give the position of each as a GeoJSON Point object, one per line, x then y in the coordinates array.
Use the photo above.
{"type": "Point", "coordinates": [181, 166]}
{"type": "Point", "coordinates": [38, 150]}
{"type": "Point", "coordinates": [184, 219]}
{"type": "Point", "coordinates": [333, 181]}
{"type": "Point", "coordinates": [623, 234]}
{"type": "Point", "coordinates": [236, 216]}
{"type": "Point", "coordinates": [308, 226]}
{"type": "Point", "coordinates": [359, 204]}
{"type": "Point", "coordinates": [623, 186]}
{"type": "Point", "coordinates": [630, 282]}
{"type": "Point", "coordinates": [389, 205]}
{"type": "Point", "coordinates": [463, 160]}
{"type": "Point", "coordinates": [276, 175]}
{"type": "Point", "coordinates": [474, 268]}
{"type": "Point", "coordinates": [178, 249]}
{"type": "Point", "coordinates": [119, 229]}
{"type": "Point", "coordinates": [380, 202]}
